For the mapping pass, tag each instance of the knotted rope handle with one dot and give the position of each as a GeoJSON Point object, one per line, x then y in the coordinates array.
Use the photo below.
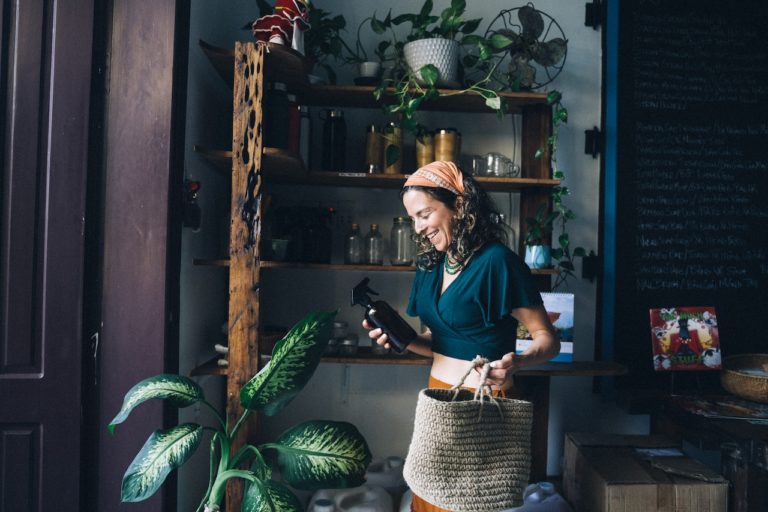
{"type": "Point", "coordinates": [484, 390]}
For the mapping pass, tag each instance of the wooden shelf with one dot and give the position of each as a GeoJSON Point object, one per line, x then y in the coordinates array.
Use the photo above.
{"type": "Point", "coordinates": [203, 262]}
{"type": "Point", "coordinates": [288, 66]}
{"type": "Point", "coordinates": [284, 167]}
{"type": "Point", "coordinates": [450, 101]}
{"type": "Point", "coordinates": [283, 64]}
{"type": "Point", "coordinates": [365, 356]}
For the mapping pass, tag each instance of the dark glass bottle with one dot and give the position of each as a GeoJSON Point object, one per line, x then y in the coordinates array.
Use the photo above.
{"type": "Point", "coordinates": [334, 141]}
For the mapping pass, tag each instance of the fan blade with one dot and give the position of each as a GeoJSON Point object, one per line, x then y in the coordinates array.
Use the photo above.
{"type": "Point", "coordinates": [532, 22]}
{"type": "Point", "coordinates": [549, 53]}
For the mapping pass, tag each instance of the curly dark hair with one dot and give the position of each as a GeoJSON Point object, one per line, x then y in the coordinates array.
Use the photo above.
{"type": "Point", "coordinates": [476, 223]}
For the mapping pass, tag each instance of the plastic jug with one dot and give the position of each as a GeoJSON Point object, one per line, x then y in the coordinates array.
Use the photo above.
{"type": "Point", "coordinates": [542, 497]}
{"type": "Point", "coordinates": [365, 498]}
{"type": "Point", "coordinates": [387, 473]}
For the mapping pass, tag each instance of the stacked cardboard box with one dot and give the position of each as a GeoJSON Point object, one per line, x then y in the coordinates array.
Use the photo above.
{"type": "Point", "coordinates": [616, 473]}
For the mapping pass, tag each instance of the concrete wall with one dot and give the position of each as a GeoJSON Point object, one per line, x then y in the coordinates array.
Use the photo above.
{"type": "Point", "coordinates": [380, 399]}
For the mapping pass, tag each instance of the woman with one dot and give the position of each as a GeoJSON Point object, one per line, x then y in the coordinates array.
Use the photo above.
{"type": "Point", "coordinates": [470, 290]}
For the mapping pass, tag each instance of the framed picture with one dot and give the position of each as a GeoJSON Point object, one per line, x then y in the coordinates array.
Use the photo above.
{"type": "Point", "coordinates": [685, 338]}
{"type": "Point", "coordinates": [559, 308]}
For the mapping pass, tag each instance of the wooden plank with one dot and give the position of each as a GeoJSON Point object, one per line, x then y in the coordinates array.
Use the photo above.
{"type": "Point", "coordinates": [245, 212]}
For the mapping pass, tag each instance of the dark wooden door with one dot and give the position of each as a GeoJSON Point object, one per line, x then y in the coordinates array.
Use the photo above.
{"type": "Point", "coordinates": [46, 61]}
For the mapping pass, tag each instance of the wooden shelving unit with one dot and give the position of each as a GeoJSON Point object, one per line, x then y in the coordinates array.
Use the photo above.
{"type": "Point", "coordinates": [252, 167]}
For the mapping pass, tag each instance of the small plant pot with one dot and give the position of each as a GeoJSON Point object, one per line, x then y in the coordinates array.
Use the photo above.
{"type": "Point", "coordinates": [369, 69]}
{"type": "Point", "coordinates": [538, 256]}
{"type": "Point", "coordinates": [441, 53]}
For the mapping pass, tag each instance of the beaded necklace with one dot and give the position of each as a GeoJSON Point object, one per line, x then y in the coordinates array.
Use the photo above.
{"type": "Point", "coordinates": [452, 268]}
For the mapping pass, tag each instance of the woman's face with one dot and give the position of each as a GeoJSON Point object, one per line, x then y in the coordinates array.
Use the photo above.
{"type": "Point", "coordinates": [431, 218]}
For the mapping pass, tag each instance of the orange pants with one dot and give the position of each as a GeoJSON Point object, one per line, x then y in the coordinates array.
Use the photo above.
{"type": "Point", "coordinates": [418, 504]}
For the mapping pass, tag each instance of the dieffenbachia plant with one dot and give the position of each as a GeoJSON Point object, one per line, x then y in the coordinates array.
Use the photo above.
{"type": "Point", "coordinates": [312, 455]}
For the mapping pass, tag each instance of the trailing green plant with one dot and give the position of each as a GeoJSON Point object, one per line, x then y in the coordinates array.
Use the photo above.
{"type": "Point", "coordinates": [407, 89]}
{"type": "Point", "coordinates": [312, 455]}
{"type": "Point", "coordinates": [563, 254]}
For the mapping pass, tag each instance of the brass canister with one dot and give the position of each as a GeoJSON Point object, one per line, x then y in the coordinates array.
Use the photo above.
{"type": "Point", "coordinates": [393, 136]}
{"type": "Point", "coordinates": [425, 149]}
{"type": "Point", "coordinates": [373, 156]}
{"type": "Point", "coordinates": [447, 142]}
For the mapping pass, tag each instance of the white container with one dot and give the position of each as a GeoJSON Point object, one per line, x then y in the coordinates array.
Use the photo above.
{"type": "Point", "coordinates": [542, 497]}
{"type": "Point", "coordinates": [365, 498]}
{"type": "Point", "coordinates": [387, 474]}
{"type": "Point", "coordinates": [440, 52]}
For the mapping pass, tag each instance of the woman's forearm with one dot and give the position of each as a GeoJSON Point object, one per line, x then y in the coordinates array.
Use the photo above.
{"type": "Point", "coordinates": [422, 345]}
{"type": "Point", "coordinates": [545, 346]}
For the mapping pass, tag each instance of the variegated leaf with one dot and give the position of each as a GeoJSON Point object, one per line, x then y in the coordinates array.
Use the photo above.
{"type": "Point", "coordinates": [323, 454]}
{"type": "Point", "coordinates": [293, 362]}
{"type": "Point", "coordinates": [164, 451]}
{"type": "Point", "coordinates": [269, 496]}
{"type": "Point", "coordinates": [180, 391]}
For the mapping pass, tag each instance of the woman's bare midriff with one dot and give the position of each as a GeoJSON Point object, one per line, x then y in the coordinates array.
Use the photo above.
{"type": "Point", "coordinates": [451, 370]}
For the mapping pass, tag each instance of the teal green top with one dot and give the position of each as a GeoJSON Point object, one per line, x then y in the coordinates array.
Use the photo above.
{"type": "Point", "coordinates": [473, 316]}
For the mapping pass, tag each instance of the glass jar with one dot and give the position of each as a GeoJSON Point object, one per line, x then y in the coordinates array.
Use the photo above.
{"type": "Point", "coordinates": [447, 141]}
{"type": "Point", "coordinates": [374, 246]}
{"type": "Point", "coordinates": [425, 150]}
{"type": "Point", "coordinates": [401, 247]}
{"type": "Point", "coordinates": [392, 136]}
{"type": "Point", "coordinates": [372, 149]}
{"type": "Point", "coordinates": [354, 246]}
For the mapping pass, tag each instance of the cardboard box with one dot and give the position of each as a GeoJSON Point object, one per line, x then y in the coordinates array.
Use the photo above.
{"type": "Point", "coordinates": [615, 473]}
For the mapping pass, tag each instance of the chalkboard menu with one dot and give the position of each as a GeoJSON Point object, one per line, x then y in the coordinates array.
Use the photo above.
{"type": "Point", "coordinates": [692, 171]}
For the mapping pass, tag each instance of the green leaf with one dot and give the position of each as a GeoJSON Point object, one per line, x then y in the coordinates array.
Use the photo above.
{"type": "Point", "coordinates": [164, 451]}
{"type": "Point", "coordinates": [414, 103]}
{"type": "Point", "coordinates": [579, 252]}
{"type": "Point", "coordinates": [429, 74]}
{"type": "Point", "coordinates": [269, 496]}
{"type": "Point", "coordinates": [180, 391]}
{"type": "Point", "coordinates": [322, 454]}
{"type": "Point", "coordinates": [500, 41]}
{"type": "Point", "coordinates": [392, 154]}
{"type": "Point", "coordinates": [557, 253]}
{"type": "Point", "coordinates": [293, 362]}
{"type": "Point", "coordinates": [558, 175]}
{"type": "Point", "coordinates": [553, 97]}
{"type": "Point", "coordinates": [471, 25]}
{"type": "Point", "coordinates": [485, 51]}
{"type": "Point", "coordinates": [378, 26]}
{"type": "Point", "coordinates": [471, 39]}
{"type": "Point", "coordinates": [470, 60]}
{"type": "Point", "coordinates": [564, 241]}
{"type": "Point", "coordinates": [494, 102]}
{"type": "Point", "coordinates": [561, 115]}
{"type": "Point", "coordinates": [539, 153]}
{"type": "Point", "coordinates": [458, 6]}
{"type": "Point", "coordinates": [403, 18]}
{"type": "Point", "coordinates": [426, 8]}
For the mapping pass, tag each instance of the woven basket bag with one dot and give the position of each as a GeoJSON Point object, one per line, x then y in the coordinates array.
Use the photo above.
{"type": "Point", "coordinates": [469, 452]}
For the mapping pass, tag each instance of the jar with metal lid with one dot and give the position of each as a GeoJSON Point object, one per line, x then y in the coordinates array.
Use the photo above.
{"type": "Point", "coordinates": [401, 247]}
{"type": "Point", "coordinates": [372, 149]}
{"type": "Point", "coordinates": [348, 344]}
{"type": "Point", "coordinates": [374, 246]}
{"type": "Point", "coordinates": [447, 144]}
{"type": "Point", "coordinates": [425, 149]}
{"type": "Point", "coordinates": [354, 246]}
{"type": "Point", "coordinates": [392, 137]}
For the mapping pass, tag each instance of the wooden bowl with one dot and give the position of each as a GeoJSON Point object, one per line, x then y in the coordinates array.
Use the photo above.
{"type": "Point", "coordinates": [746, 375]}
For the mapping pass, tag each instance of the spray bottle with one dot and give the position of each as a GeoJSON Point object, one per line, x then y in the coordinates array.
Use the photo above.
{"type": "Point", "coordinates": [382, 315]}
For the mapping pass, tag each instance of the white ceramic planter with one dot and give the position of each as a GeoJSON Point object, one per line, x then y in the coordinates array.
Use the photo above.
{"type": "Point", "coordinates": [442, 53]}
{"type": "Point", "coordinates": [538, 256]}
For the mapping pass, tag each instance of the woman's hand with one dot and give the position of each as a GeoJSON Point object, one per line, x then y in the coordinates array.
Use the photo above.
{"type": "Point", "coordinates": [502, 370]}
{"type": "Point", "coordinates": [376, 334]}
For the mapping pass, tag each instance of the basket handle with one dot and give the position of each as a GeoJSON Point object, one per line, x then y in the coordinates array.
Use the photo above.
{"type": "Point", "coordinates": [484, 390]}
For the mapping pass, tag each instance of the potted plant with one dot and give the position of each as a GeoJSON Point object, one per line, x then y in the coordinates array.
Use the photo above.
{"type": "Point", "coordinates": [312, 455]}
{"type": "Point", "coordinates": [537, 249]}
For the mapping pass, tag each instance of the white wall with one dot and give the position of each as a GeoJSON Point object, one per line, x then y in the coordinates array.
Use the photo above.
{"type": "Point", "coordinates": [380, 399]}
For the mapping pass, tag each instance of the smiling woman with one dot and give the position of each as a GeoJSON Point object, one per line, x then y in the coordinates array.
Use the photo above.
{"type": "Point", "coordinates": [470, 289]}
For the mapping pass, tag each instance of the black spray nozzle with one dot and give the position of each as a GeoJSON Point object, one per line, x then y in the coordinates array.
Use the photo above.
{"type": "Point", "coordinates": [360, 293]}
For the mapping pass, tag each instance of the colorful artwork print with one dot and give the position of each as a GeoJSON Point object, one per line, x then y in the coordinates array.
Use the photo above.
{"type": "Point", "coordinates": [685, 338]}
{"type": "Point", "coordinates": [559, 308]}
